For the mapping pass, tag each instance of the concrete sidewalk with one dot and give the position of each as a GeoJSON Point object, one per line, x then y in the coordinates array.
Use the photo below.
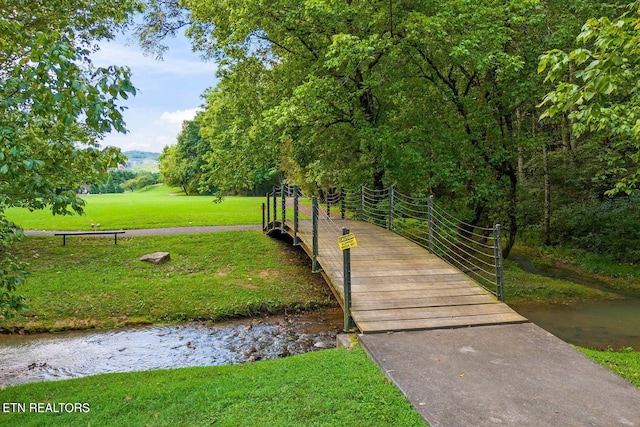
{"type": "Point", "coordinates": [504, 375]}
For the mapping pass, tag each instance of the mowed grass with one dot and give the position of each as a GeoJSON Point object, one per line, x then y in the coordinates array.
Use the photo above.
{"type": "Point", "coordinates": [324, 388]}
{"type": "Point", "coordinates": [91, 282]}
{"type": "Point", "coordinates": [153, 207]}
{"type": "Point", "coordinates": [625, 363]}
{"type": "Point", "coordinates": [523, 286]}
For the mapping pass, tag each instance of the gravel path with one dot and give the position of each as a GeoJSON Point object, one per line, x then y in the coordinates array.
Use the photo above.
{"type": "Point", "coordinates": [163, 231]}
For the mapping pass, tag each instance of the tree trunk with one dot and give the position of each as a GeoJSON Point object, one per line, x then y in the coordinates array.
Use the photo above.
{"type": "Point", "coordinates": [565, 131]}
{"type": "Point", "coordinates": [511, 213]}
{"type": "Point", "coordinates": [547, 196]}
{"type": "Point", "coordinates": [520, 149]}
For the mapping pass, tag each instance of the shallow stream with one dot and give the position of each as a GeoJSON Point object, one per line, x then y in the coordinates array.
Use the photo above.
{"type": "Point", "coordinates": [46, 357]}
{"type": "Point", "coordinates": [597, 324]}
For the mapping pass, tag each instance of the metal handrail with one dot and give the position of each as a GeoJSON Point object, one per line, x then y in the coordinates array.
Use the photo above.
{"type": "Point", "coordinates": [473, 249]}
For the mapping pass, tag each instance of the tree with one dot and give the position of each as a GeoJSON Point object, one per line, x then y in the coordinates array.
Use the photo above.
{"type": "Point", "coordinates": [434, 96]}
{"type": "Point", "coordinates": [54, 107]}
{"type": "Point", "coordinates": [142, 180]}
{"type": "Point", "coordinates": [190, 153]}
{"type": "Point", "coordinates": [596, 84]}
{"type": "Point", "coordinates": [173, 173]}
{"type": "Point", "coordinates": [244, 151]}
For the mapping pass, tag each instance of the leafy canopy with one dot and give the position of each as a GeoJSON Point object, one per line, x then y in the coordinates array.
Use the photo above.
{"type": "Point", "coordinates": [54, 107]}
{"type": "Point", "coordinates": [597, 84]}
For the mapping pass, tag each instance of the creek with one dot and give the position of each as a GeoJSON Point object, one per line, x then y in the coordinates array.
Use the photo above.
{"type": "Point", "coordinates": [595, 324]}
{"type": "Point", "coordinates": [58, 356]}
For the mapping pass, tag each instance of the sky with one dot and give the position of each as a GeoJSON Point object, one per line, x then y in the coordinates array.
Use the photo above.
{"type": "Point", "coordinates": [168, 91]}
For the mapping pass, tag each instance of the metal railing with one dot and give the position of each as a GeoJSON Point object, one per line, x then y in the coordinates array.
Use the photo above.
{"type": "Point", "coordinates": [284, 215]}
{"type": "Point", "coordinates": [472, 249]}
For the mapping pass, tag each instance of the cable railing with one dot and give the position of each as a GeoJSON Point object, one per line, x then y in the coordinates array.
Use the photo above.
{"type": "Point", "coordinates": [473, 249]}
{"type": "Point", "coordinates": [285, 215]}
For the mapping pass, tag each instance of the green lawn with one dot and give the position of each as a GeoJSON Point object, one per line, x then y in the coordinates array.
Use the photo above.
{"type": "Point", "coordinates": [625, 363]}
{"type": "Point", "coordinates": [153, 207]}
{"type": "Point", "coordinates": [93, 283]}
{"type": "Point", "coordinates": [324, 388]}
{"type": "Point", "coordinates": [523, 286]}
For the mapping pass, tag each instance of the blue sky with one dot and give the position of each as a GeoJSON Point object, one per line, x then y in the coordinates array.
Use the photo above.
{"type": "Point", "coordinates": [169, 91]}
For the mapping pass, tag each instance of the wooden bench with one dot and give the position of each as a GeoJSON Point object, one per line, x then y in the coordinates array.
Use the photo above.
{"type": "Point", "coordinates": [89, 233]}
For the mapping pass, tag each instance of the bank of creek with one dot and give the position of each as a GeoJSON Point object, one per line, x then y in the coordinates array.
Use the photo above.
{"type": "Point", "coordinates": [57, 356]}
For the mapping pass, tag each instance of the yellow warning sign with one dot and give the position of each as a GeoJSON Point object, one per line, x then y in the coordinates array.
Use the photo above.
{"type": "Point", "coordinates": [347, 241]}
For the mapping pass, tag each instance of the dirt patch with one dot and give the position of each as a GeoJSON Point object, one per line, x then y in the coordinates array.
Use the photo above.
{"type": "Point", "coordinates": [223, 272]}
{"type": "Point", "coordinates": [268, 273]}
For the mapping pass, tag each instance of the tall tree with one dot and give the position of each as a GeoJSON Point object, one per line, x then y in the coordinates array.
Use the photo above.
{"type": "Point", "coordinates": [54, 107]}
{"type": "Point", "coordinates": [182, 166]}
{"type": "Point", "coordinates": [596, 84]}
{"type": "Point", "coordinates": [325, 56]}
{"type": "Point", "coordinates": [428, 95]}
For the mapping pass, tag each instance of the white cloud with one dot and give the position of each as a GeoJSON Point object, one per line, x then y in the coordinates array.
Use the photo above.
{"type": "Point", "coordinates": [179, 116]}
{"type": "Point", "coordinates": [168, 93]}
{"type": "Point", "coordinates": [119, 54]}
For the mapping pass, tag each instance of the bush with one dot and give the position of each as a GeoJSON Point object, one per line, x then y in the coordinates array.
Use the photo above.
{"type": "Point", "coordinates": [609, 227]}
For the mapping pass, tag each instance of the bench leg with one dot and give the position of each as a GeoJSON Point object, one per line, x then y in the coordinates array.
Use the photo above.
{"type": "Point", "coordinates": [115, 238]}
{"type": "Point", "coordinates": [64, 240]}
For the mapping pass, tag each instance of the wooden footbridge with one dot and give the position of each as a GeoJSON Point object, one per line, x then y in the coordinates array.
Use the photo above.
{"type": "Point", "coordinates": [406, 272]}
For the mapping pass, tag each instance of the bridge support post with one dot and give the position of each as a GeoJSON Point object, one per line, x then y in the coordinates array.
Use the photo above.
{"type": "Point", "coordinates": [430, 223]}
{"type": "Point", "coordinates": [296, 241]}
{"type": "Point", "coordinates": [342, 207]}
{"type": "Point", "coordinates": [284, 208]}
{"type": "Point", "coordinates": [314, 261]}
{"type": "Point", "coordinates": [498, 256]}
{"type": "Point", "coordinates": [346, 261]}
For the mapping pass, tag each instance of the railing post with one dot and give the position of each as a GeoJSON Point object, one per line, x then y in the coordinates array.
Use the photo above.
{"type": "Point", "coordinates": [268, 210]}
{"type": "Point", "coordinates": [430, 222]}
{"type": "Point", "coordinates": [362, 202]}
{"type": "Point", "coordinates": [263, 219]}
{"type": "Point", "coordinates": [314, 266]}
{"type": "Point", "coordinates": [346, 261]}
{"type": "Point", "coordinates": [342, 206]}
{"type": "Point", "coordinates": [284, 208]}
{"type": "Point", "coordinates": [275, 207]}
{"type": "Point", "coordinates": [328, 198]}
{"type": "Point", "coordinates": [296, 241]}
{"type": "Point", "coordinates": [391, 201]}
{"type": "Point", "coordinates": [498, 255]}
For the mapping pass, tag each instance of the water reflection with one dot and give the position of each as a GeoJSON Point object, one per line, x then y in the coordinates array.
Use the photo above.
{"type": "Point", "coordinates": [598, 324]}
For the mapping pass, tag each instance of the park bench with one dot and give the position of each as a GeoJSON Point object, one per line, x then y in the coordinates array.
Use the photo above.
{"type": "Point", "coordinates": [89, 233]}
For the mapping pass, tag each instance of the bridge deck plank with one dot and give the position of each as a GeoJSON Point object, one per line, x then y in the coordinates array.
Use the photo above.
{"type": "Point", "coordinates": [398, 285]}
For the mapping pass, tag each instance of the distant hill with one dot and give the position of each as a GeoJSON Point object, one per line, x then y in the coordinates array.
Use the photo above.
{"type": "Point", "coordinates": [139, 156]}
{"type": "Point", "coordinates": [142, 161]}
